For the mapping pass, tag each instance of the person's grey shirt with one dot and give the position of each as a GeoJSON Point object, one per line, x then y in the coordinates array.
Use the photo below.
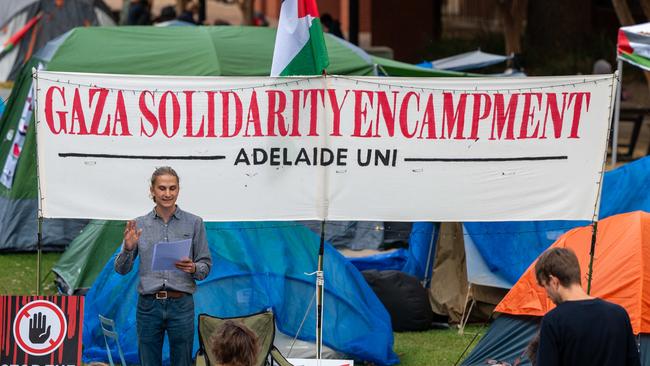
{"type": "Point", "coordinates": [181, 225]}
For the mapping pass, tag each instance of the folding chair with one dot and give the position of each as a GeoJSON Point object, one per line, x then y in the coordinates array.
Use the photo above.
{"type": "Point", "coordinates": [262, 324]}
{"type": "Point", "coordinates": [108, 328]}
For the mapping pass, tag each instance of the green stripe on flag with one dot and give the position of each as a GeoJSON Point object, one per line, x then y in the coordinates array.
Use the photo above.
{"type": "Point", "coordinates": [637, 60]}
{"type": "Point", "coordinates": [8, 48]}
{"type": "Point", "coordinates": [312, 58]}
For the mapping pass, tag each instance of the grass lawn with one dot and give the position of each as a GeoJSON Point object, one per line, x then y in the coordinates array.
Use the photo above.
{"type": "Point", "coordinates": [18, 273]}
{"type": "Point", "coordinates": [436, 347]}
{"type": "Point", "coordinates": [431, 348]}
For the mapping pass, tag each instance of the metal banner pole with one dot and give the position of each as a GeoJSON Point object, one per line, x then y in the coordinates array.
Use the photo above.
{"type": "Point", "coordinates": [39, 247]}
{"type": "Point", "coordinates": [319, 293]}
{"type": "Point", "coordinates": [617, 111]}
{"type": "Point", "coordinates": [39, 239]}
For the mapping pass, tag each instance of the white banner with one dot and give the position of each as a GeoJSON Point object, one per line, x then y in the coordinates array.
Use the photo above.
{"type": "Point", "coordinates": [334, 148]}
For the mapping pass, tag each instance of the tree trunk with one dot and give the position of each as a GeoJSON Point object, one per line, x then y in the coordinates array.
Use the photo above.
{"type": "Point", "coordinates": [558, 26]}
{"type": "Point", "coordinates": [180, 6]}
{"type": "Point", "coordinates": [201, 19]}
{"type": "Point", "coordinates": [247, 8]}
{"type": "Point", "coordinates": [623, 12]}
{"type": "Point", "coordinates": [437, 20]}
{"type": "Point", "coordinates": [513, 15]}
{"type": "Point", "coordinates": [645, 5]}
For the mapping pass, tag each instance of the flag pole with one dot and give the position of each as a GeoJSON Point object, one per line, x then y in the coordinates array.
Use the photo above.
{"type": "Point", "coordinates": [320, 281]}
{"type": "Point", "coordinates": [287, 62]}
{"type": "Point", "coordinates": [39, 238]}
{"type": "Point", "coordinates": [39, 250]}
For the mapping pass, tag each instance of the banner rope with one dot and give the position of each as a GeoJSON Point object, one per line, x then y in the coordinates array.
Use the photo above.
{"type": "Point", "coordinates": [357, 81]}
{"type": "Point", "coordinates": [175, 91]}
{"type": "Point", "coordinates": [476, 88]}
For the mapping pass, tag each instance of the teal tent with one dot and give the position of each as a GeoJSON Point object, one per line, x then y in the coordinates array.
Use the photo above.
{"type": "Point", "coordinates": [259, 266]}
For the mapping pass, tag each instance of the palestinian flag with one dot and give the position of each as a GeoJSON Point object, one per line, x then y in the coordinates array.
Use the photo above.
{"type": "Point", "coordinates": [634, 45]}
{"type": "Point", "coordinates": [299, 42]}
{"type": "Point", "coordinates": [15, 38]}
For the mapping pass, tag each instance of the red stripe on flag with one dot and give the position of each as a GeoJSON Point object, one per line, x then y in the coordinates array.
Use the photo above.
{"type": "Point", "coordinates": [623, 43]}
{"type": "Point", "coordinates": [307, 7]}
{"type": "Point", "coordinates": [14, 39]}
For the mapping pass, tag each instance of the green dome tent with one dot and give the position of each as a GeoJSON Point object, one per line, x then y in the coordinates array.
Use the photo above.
{"type": "Point", "coordinates": [191, 51]}
{"type": "Point", "coordinates": [203, 51]}
{"type": "Point", "coordinates": [85, 258]}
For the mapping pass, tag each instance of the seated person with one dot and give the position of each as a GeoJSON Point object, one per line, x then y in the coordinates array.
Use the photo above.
{"type": "Point", "coordinates": [234, 344]}
{"type": "Point", "coordinates": [531, 350]}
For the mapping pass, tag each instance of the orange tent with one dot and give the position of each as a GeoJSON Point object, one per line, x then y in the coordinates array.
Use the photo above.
{"type": "Point", "coordinates": [621, 269]}
{"type": "Point", "coordinates": [621, 274]}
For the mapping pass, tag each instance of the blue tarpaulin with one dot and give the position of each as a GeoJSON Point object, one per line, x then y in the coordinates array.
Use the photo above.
{"type": "Point", "coordinates": [257, 266]}
{"type": "Point", "coordinates": [414, 261]}
{"type": "Point", "coordinates": [509, 248]}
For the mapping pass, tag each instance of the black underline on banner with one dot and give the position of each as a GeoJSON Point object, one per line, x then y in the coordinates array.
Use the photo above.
{"type": "Point", "coordinates": [141, 157]}
{"type": "Point", "coordinates": [461, 160]}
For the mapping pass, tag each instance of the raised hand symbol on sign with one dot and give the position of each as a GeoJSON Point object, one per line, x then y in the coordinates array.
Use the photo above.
{"type": "Point", "coordinates": [38, 334]}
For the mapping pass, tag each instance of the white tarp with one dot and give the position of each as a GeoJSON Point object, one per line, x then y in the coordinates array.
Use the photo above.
{"type": "Point", "coordinates": [478, 271]}
{"type": "Point", "coordinates": [468, 60]}
{"type": "Point", "coordinates": [335, 148]}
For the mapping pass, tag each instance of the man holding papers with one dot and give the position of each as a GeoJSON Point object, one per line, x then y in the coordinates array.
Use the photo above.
{"type": "Point", "coordinates": [173, 254]}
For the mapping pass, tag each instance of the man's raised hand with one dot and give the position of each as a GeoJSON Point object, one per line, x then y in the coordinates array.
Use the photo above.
{"type": "Point", "coordinates": [131, 235]}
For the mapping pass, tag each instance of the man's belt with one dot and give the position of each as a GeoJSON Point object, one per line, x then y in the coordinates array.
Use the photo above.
{"type": "Point", "coordinates": [168, 294]}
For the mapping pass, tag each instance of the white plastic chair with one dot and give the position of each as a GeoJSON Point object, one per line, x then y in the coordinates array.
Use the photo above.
{"type": "Point", "coordinates": [108, 328]}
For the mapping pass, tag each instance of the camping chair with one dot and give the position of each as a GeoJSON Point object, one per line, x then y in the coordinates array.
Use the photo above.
{"type": "Point", "coordinates": [262, 324]}
{"type": "Point", "coordinates": [108, 328]}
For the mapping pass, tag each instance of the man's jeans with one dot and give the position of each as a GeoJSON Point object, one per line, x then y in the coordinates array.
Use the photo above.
{"type": "Point", "coordinates": [176, 316]}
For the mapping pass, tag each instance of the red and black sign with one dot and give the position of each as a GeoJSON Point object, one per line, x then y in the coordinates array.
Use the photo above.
{"type": "Point", "coordinates": [41, 330]}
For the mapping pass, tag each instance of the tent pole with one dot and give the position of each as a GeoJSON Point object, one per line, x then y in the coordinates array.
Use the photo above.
{"type": "Point", "coordinates": [463, 321]}
{"type": "Point", "coordinates": [591, 255]}
{"type": "Point", "coordinates": [319, 293]}
{"type": "Point", "coordinates": [617, 110]}
{"type": "Point", "coordinates": [39, 239]}
{"type": "Point", "coordinates": [320, 279]}
{"type": "Point", "coordinates": [427, 280]}
{"type": "Point", "coordinates": [38, 256]}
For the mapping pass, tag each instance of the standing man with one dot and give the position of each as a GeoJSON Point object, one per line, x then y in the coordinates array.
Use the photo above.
{"type": "Point", "coordinates": [581, 330]}
{"type": "Point", "coordinates": [165, 302]}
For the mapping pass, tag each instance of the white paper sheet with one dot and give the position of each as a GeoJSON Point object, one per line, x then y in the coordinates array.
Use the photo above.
{"type": "Point", "coordinates": [166, 254]}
